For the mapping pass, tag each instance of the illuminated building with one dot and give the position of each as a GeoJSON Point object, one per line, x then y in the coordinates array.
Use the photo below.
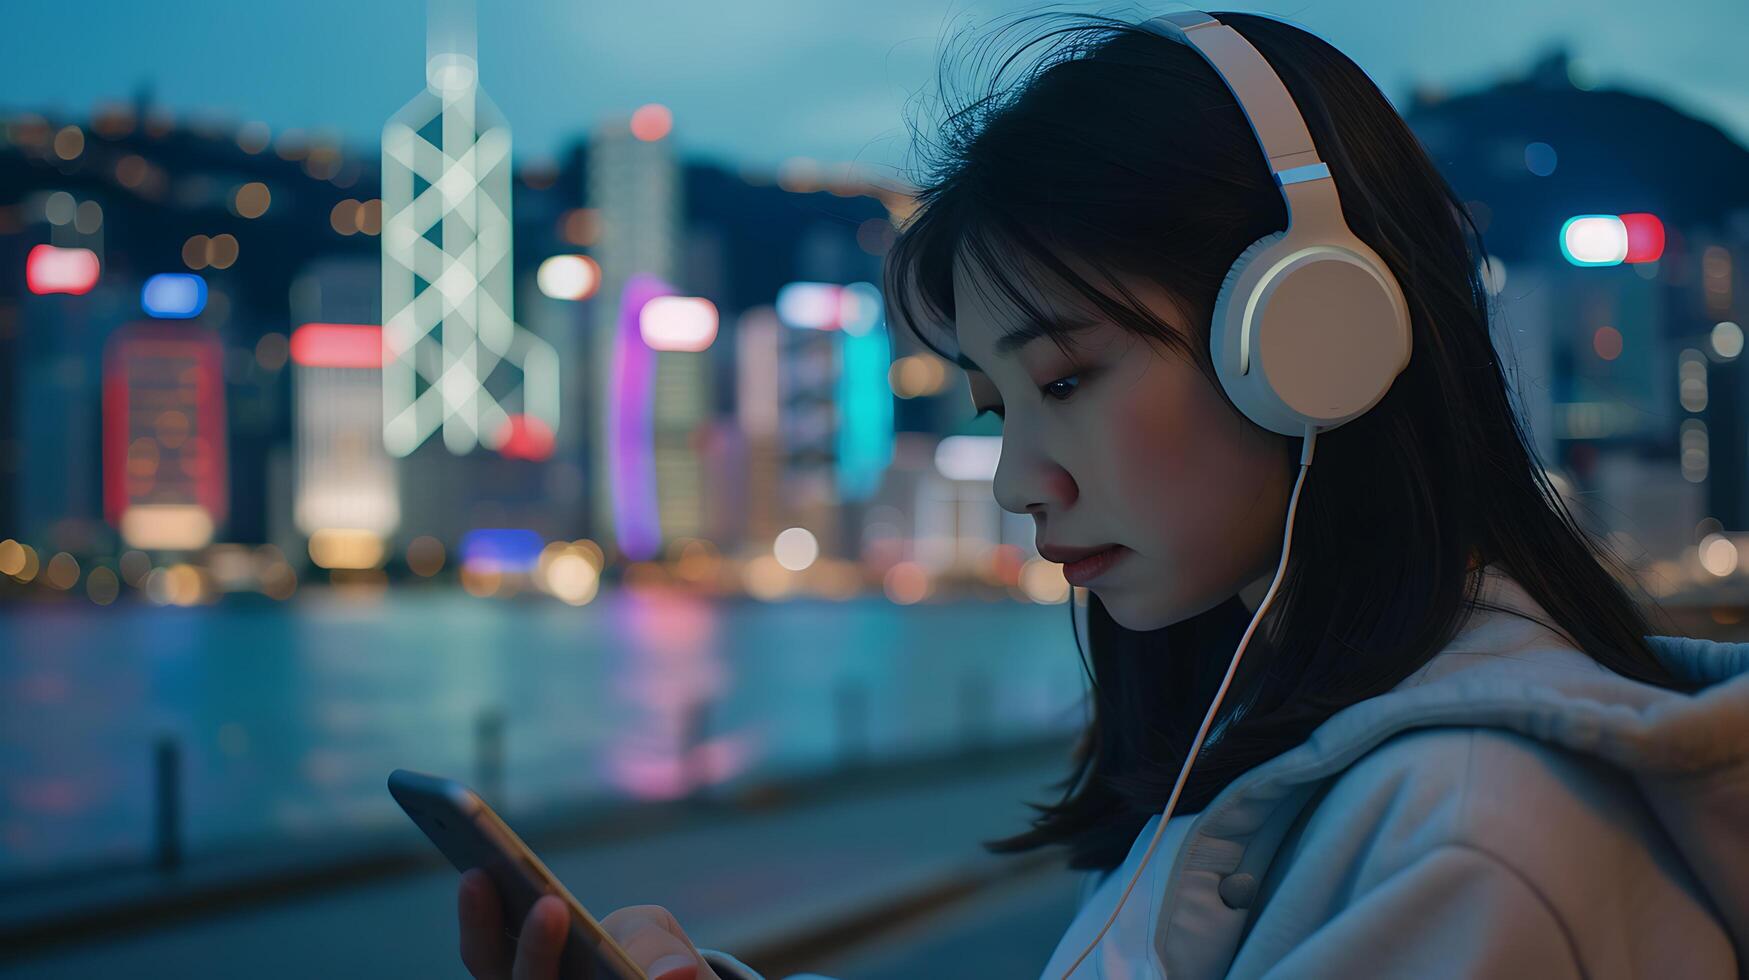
{"type": "Point", "coordinates": [164, 443]}
{"type": "Point", "coordinates": [634, 186]}
{"type": "Point", "coordinates": [759, 337]}
{"type": "Point", "coordinates": [456, 360]}
{"type": "Point", "coordinates": [865, 398]}
{"type": "Point", "coordinates": [345, 482]}
{"type": "Point", "coordinates": [837, 406]}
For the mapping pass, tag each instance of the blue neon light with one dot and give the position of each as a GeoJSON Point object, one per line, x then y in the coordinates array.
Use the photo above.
{"type": "Point", "coordinates": [173, 296]}
{"type": "Point", "coordinates": [501, 549]}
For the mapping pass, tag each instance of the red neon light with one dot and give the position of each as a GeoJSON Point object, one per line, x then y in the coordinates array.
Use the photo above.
{"type": "Point", "coordinates": [60, 270]}
{"type": "Point", "coordinates": [523, 437]}
{"type": "Point", "coordinates": [338, 345]}
{"type": "Point", "coordinates": [1645, 236]}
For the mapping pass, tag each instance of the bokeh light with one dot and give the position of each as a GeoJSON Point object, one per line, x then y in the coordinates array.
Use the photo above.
{"type": "Point", "coordinates": [652, 122]}
{"type": "Point", "coordinates": [62, 572]}
{"type": "Point", "coordinates": [425, 555]}
{"type": "Point", "coordinates": [568, 277]}
{"type": "Point", "coordinates": [69, 143]}
{"type": "Point", "coordinates": [102, 586]}
{"type": "Point", "coordinates": [917, 375]}
{"type": "Point", "coordinates": [251, 200]}
{"type": "Point", "coordinates": [1043, 581]}
{"type": "Point", "coordinates": [1718, 555]}
{"type": "Point", "coordinates": [1727, 339]}
{"type": "Point", "coordinates": [678, 323]}
{"type": "Point", "coordinates": [11, 557]}
{"type": "Point", "coordinates": [194, 252]}
{"type": "Point", "coordinates": [343, 218]}
{"type": "Point", "coordinates": [906, 583]}
{"type": "Point", "coordinates": [795, 548]}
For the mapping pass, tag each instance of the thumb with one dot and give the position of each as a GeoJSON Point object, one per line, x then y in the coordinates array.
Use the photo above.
{"type": "Point", "coordinates": [675, 966]}
{"type": "Point", "coordinates": [654, 940]}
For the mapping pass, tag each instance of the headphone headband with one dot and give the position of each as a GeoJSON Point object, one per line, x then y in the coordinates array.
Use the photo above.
{"type": "Point", "coordinates": [1275, 119]}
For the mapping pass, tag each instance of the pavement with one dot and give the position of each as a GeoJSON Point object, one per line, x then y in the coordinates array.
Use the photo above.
{"type": "Point", "coordinates": [878, 876]}
{"type": "Point", "coordinates": [1007, 930]}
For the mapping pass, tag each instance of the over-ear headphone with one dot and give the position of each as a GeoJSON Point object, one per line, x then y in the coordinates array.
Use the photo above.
{"type": "Point", "coordinates": [1310, 328]}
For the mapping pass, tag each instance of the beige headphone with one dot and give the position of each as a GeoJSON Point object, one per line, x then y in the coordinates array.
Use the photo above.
{"type": "Point", "coordinates": [1310, 328]}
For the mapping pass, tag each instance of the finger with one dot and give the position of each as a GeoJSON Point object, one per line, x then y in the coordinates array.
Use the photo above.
{"type": "Point", "coordinates": [484, 946]}
{"type": "Point", "coordinates": [654, 940]}
{"type": "Point", "coordinates": [542, 939]}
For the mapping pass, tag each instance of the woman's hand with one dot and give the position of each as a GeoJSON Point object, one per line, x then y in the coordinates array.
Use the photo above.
{"type": "Point", "coordinates": [648, 933]}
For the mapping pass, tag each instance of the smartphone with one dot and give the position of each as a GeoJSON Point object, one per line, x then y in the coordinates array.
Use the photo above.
{"type": "Point", "coordinates": [471, 835]}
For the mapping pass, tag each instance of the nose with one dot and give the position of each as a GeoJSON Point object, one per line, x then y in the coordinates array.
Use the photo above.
{"type": "Point", "coordinates": [1028, 482]}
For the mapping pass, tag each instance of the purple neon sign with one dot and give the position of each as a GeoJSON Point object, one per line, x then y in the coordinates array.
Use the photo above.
{"type": "Point", "coordinates": [637, 524]}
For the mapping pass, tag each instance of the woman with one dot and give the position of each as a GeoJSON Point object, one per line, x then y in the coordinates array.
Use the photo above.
{"type": "Point", "coordinates": [1450, 748]}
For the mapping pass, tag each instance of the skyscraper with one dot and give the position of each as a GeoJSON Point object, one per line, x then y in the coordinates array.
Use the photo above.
{"type": "Point", "coordinates": [453, 357]}
{"type": "Point", "coordinates": [634, 185]}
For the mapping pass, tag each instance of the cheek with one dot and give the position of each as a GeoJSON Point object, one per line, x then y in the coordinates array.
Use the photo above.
{"type": "Point", "coordinates": [1152, 453]}
{"type": "Point", "coordinates": [1181, 462]}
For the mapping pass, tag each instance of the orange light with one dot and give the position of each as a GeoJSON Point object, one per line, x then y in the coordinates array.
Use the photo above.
{"type": "Point", "coordinates": [252, 199]}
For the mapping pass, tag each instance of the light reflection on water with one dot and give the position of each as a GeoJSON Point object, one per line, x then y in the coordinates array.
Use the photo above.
{"type": "Point", "coordinates": [290, 716]}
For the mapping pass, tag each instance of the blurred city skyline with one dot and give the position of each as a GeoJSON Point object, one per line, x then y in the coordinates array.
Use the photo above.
{"type": "Point", "coordinates": [731, 73]}
{"type": "Point", "coordinates": [680, 359]}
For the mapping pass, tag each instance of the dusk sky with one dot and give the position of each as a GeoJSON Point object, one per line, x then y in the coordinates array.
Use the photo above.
{"type": "Point", "coordinates": [756, 81]}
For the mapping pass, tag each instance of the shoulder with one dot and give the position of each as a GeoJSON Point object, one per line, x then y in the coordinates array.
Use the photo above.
{"type": "Point", "coordinates": [1485, 814]}
{"type": "Point", "coordinates": [1522, 802]}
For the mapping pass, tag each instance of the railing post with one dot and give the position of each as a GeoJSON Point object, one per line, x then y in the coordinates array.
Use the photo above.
{"type": "Point", "coordinates": [167, 803]}
{"type": "Point", "coordinates": [974, 710]}
{"type": "Point", "coordinates": [695, 729]}
{"type": "Point", "coordinates": [489, 755]}
{"type": "Point", "coordinates": [852, 703]}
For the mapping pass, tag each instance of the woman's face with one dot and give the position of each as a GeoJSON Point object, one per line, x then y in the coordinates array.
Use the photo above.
{"type": "Point", "coordinates": [1123, 442]}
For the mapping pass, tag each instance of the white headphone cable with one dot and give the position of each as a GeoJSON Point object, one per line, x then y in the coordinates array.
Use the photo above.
{"type": "Point", "coordinates": [1311, 439]}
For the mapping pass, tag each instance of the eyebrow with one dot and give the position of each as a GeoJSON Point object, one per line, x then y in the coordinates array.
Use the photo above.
{"type": "Point", "coordinates": [1028, 331]}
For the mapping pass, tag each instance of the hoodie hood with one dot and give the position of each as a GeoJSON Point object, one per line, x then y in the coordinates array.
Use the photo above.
{"type": "Point", "coordinates": [1687, 753]}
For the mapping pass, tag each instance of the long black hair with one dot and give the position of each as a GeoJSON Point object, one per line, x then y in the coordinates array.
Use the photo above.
{"type": "Point", "coordinates": [1125, 150]}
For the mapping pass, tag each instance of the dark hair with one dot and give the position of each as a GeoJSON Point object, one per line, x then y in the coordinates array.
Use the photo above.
{"type": "Point", "coordinates": [1125, 149]}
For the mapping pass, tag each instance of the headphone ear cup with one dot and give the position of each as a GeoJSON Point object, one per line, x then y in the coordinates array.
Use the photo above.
{"type": "Point", "coordinates": [1219, 343]}
{"type": "Point", "coordinates": [1251, 251]}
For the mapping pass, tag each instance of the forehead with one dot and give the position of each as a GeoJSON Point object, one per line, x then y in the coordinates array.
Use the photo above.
{"type": "Point", "coordinates": [991, 326]}
{"type": "Point", "coordinates": [981, 285]}
{"type": "Point", "coordinates": [988, 320]}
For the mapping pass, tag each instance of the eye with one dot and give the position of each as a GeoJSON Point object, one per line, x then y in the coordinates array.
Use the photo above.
{"type": "Point", "coordinates": [1060, 394]}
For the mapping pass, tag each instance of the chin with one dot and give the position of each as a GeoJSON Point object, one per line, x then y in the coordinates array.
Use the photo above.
{"type": "Point", "coordinates": [1138, 616]}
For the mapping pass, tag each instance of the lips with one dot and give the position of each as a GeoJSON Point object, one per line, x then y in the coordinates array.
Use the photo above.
{"type": "Point", "coordinates": [1063, 555]}
{"type": "Point", "coordinates": [1082, 565]}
